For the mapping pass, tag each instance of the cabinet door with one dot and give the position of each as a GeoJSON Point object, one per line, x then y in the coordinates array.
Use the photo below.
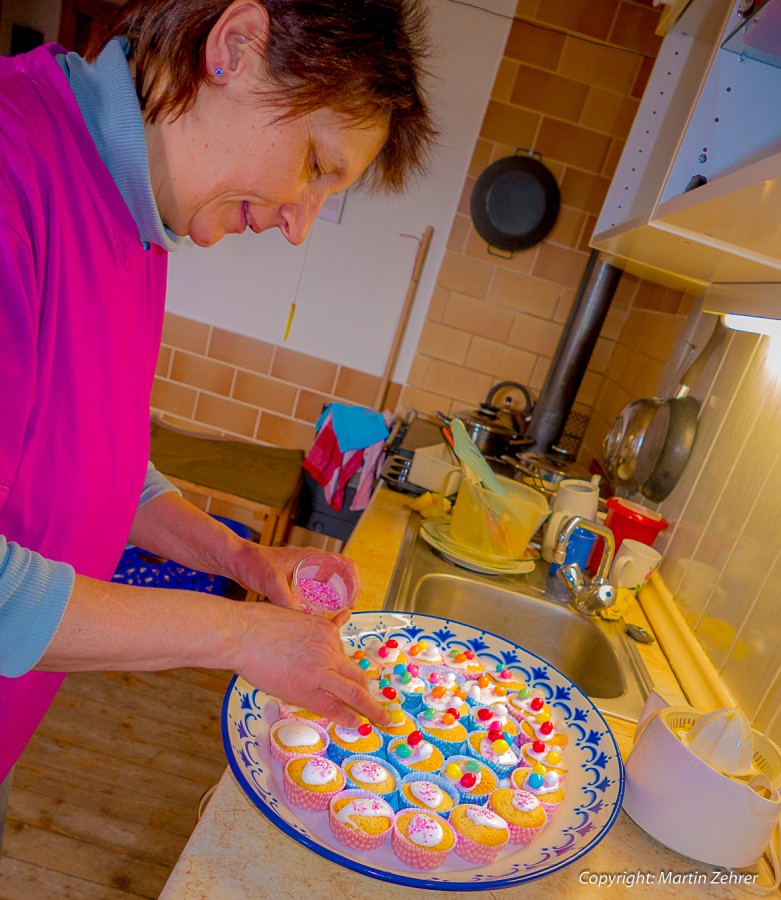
{"type": "Point", "coordinates": [84, 21]}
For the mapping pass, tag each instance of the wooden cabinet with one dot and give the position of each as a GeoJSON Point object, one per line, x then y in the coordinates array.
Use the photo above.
{"type": "Point", "coordinates": [709, 116]}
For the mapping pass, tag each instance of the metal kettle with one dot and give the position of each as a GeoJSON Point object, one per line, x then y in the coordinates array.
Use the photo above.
{"type": "Point", "coordinates": [499, 430]}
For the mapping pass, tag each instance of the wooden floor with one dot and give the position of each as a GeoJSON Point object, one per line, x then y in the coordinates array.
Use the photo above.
{"type": "Point", "coordinates": [106, 795]}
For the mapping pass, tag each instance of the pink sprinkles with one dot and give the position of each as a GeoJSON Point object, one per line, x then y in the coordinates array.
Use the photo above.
{"type": "Point", "coordinates": [319, 594]}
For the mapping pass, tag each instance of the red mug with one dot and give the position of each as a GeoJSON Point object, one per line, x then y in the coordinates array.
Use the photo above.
{"type": "Point", "coordinates": [627, 519]}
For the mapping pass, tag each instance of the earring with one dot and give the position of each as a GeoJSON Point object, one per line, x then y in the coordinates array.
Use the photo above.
{"type": "Point", "coordinates": [218, 71]}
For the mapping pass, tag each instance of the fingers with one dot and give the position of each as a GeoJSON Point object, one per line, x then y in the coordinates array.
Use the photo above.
{"type": "Point", "coordinates": [341, 618]}
{"type": "Point", "coordinates": [354, 701]}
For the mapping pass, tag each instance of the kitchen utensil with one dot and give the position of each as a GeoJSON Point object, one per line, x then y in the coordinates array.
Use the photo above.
{"type": "Point", "coordinates": [634, 564]}
{"type": "Point", "coordinates": [627, 519]}
{"type": "Point", "coordinates": [431, 465]}
{"type": "Point", "coordinates": [573, 498]}
{"type": "Point", "coordinates": [436, 533]}
{"type": "Point", "coordinates": [515, 202]}
{"type": "Point", "coordinates": [323, 585]}
{"type": "Point", "coordinates": [497, 525]}
{"type": "Point", "coordinates": [594, 786]}
{"type": "Point", "coordinates": [622, 443]}
{"type": "Point", "coordinates": [498, 430]}
{"type": "Point", "coordinates": [677, 792]}
{"type": "Point", "coordinates": [578, 549]}
{"type": "Point", "coordinates": [473, 464]}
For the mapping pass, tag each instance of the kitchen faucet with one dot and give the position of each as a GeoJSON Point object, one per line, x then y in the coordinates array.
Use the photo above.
{"type": "Point", "coordinates": [588, 598]}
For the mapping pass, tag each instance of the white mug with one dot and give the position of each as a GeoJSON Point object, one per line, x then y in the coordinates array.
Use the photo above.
{"type": "Point", "coordinates": [573, 498]}
{"type": "Point", "coordinates": [634, 564]}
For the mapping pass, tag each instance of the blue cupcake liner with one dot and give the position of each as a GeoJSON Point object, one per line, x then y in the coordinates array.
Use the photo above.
{"type": "Point", "coordinates": [439, 781]}
{"type": "Point", "coordinates": [392, 796]}
{"type": "Point", "coordinates": [387, 738]}
{"type": "Point", "coordinates": [403, 768]}
{"type": "Point", "coordinates": [448, 748]}
{"type": "Point", "coordinates": [339, 754]}
{"type": "Point", "coordinates": [464, 795]}
{"type": "Point", "coordinates": [472, 723]}
{"type": "Point", "coordinates": [502, 771]}
{"type": "Point", "coordinates": [411, 702]}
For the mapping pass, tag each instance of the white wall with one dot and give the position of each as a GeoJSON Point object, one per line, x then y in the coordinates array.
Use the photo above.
{"type": "Point", "coordinates": [349, 280]}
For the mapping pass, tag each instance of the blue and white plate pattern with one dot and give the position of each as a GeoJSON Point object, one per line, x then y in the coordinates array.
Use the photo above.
{"type": "Point", "coordinates": [594, 787]}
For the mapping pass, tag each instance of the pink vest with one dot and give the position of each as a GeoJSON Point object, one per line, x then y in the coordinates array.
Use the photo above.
{"type": "Point", "coordinates": [81, 310]}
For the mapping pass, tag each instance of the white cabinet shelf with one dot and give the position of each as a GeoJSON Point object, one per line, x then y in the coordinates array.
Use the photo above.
{"type": "Point", "coordinates": [710, 113]}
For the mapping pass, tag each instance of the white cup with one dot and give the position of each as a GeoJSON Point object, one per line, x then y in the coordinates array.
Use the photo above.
{"type": "Point", "coordinates": [634, 564]}
{"type": "Point", "coordinates": [573, 498]}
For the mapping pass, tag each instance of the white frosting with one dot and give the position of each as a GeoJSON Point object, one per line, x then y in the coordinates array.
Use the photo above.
{"type": "Point", "coordinates": [524, 801]}
{"type": "Point", "coordinates": [427, 793]}
{"type": "Point", "coordinates": [319, 770]}
{"type": "Point", "coordinates": [420, 752]}
{"type": "Point", "coordinates": [550, 784]}
{"type": "Point", "coordinates": [298, 735]}
{"type": "Point", "coordinates": [369, 772]}
{"type": "Point", "coordinates": [485, 695]}
{"type": "Point", "coordinates": [414, 685]}
{"type": "Point", "coordinates": [425, 831]}
{"type": "Point", "coordinates": [481, 815]}
{"type": "Point", "coordinates": [363, 806]}
{"type": "Point", "coordinates": [438, 724]}
{"type": "Point", "coordinates": [508, 758]}
{"type": "Point", "coordinates": [443, 703]}
{"type": "Point", "coordinates": [348, 735]}
{"type": "Point", "coordinates": [502, 719]}
{"type": "Point", "coordinates": [525, 705]}
{"type": "Point", "coordinates": [431, 655]}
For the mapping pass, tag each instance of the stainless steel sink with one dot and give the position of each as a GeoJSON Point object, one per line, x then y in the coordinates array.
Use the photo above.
{"type": "Point", "coordinates": [530, 610]}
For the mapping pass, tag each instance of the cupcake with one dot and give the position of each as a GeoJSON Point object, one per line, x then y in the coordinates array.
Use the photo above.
{"type": "Point", "coordinates": [386, 654]}
{"type": "Point", "coordinates": [311, 781]}
{"type": "Point", "coordinates": [359, 820]}
{"type": "Point", "coordinates": [521, 810]}
{"type": "Point", "coordinates": [431, 793]}
{"type": "Point", "coordinates": [509, 680]}
{"type": "Point", "coordinates": [345, 742]}
{"type": "Point", "coordinates": [488, 718]}
{"type": "Point", "coordinates": [485, 692]}
{"type": "Point", "coordinates": [372, 775]}
{"type": "Point", "coordinates": [480, 832]}
{"type": "Point", "coordinates": [402, 724]}
{"type": "Point", "coordinates": [471, 778]}
{"type": "Point", "coordinates": [421, 839]}
{"type": "Point", "coordinates": [444, 729]}
{"type": "Point", "coordinates": [464, 662]}
{"type": "Point", "coordinates": [405, 683]}
{"type": "Point", "coordinates": [525, 703]}
{"type": "Point", "coordinates": [425, 652]}
{"type": "Point", "coordinates": [445, 689]}
{"type": "Point", "coordinates": [293, 737]}
{"type": "Point", "coordinates": [414, 754]}
{"type": "Point", "coordinates": [537, 753]}
{"type": "Point", "coordinates": [494, 749]}
{"type": "Point", "coordinates": [546, 788]}
{"type": "Point", "coordinates": [363, 662]}
{"type": "Point", "coordinates": [288, 711]}
{"type": "Point", "coordinates": [542, 728]}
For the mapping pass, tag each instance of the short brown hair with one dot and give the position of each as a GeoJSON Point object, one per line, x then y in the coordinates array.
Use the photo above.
{"type": "Point", "coordinates": [362, 58]}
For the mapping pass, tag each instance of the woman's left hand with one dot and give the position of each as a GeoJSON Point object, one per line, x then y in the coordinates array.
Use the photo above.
{"type": "Point", "coordinates": [269, 571]}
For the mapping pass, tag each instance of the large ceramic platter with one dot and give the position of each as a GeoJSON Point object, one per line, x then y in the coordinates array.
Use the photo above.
{"type": "Point", "coordinates": [594, 786]}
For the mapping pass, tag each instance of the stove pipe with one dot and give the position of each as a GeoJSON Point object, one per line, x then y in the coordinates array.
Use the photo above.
{"type": "Point", "coordinates": [589, 309]}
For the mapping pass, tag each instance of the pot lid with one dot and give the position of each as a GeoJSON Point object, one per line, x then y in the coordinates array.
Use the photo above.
{"type": "Point", "coordinates": [493, 419]}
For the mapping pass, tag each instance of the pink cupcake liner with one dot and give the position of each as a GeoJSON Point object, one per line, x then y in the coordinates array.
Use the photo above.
{"type": "Point", "coordinates": [474, 852]}
{"type": "Point", "coordinates": [550, 808]}
{"type": "Point", "coordinates": [287, 713]}
{"type": "Point", "coordinates": [414, 855]}
{"type": "Point", "coordinates": [299, 796]}
{"type": "Point", "coordinates": [354, 838]}
{"type": "Point", "coordinates": [283, 756]}
{"type": "Point", "coordinates": [520, 834]}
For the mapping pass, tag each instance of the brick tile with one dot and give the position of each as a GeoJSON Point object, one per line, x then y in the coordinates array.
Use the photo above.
{"type": "Point", "coordinates": [417, 371]}
{"type": "Point", "coordinates": [573, 145]}
{"type": "Point", "coordinates": [608, 112]}
{"type": "Point", "coordinates": [634, 27]}
{"type": "Point", "coordinates": [539, 374]}
{"type": "Point", "coordinates": [226, 414]}
{"type": "Point", "coordinates": [500, 361]}
{"type": "Point", "coordinates": [436, 307]}
{"type": "Point", "coordinates": [393, 397]}
{"type": "Point", "coordinates": [282, 432]}
{"type": "Point", "coordinates": [463, 383]}
{"type": "Point", "coordinates": [549, 93]}
{"type": "Point", "coordinates": [356, 387]}
{"type": "Point", "coordinates": [481, 156]}
{"type": "Point", "coordinates": [524, 293]}
{"type": "Point", "coordinates": [264, 392]}
{"type": "Point", "coordinates": [185, 334]}
{"type": "Point", "coordinates": [583, 190]}
{"type": "Point", "coordinates": [643, 76]}
{"type": "Point", "coordinates": [304, 370]}
{"type": "Point", "coordinates": [444, 342]}
{"type": "Point", "coordinates": [613, 157]}
{"type": "Point", "coordinates": [580, 16]}
{"type": "Point", "coordinates": [509, 125]}
{"type": "Point", "coordinates": [534, 45]}
{"type": "Point", "coordinates": [564, 305]}
{"type": "Point", "coordinates": [164, 361]}
{"type": "Point", "coordinates": [589, 388]}
{"type": "Point", "coordinates": [521, 262]}
{"type": "Point", "coordinates": [477, 317]}
{"type": "Point", "coordinates": [177, 399]}
{"type": "Point", "coordinates": [561, 265]}
{"type": "Point", "coordinates": [240, 350]}
{"type": "Point", "coordinates": [464, 201]}
{"type": "Point", "coordinates": [468, 276]}
{"type": "Point", "coordinates": [606, 67]}
{"type": "Point", "coordinates": [505, 79]}
{"type": "Point", "coordinates": [568, 228]}
{"type": "Point", "coordinates": [459, 232]}
{"type": "Point", "coordinates": [539, 336]}
{"type": "Point", "coordinates": [310, 405]}
{"type": "Point", "coordinates": [202, 372]}
{"type": "Point", "coordinates": [424, 401]}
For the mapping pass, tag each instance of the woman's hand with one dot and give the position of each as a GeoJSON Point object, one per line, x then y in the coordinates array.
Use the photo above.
{"type": "Point", "coordinates": [301, 660]}
{"type": "Point", "coordinates": [269, 571]}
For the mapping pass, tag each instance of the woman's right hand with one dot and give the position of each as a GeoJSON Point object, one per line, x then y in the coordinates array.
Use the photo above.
{"type": "Point", "coordinates": [301, 659]}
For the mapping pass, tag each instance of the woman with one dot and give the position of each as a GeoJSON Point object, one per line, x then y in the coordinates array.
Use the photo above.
{"type": "Point", "coordinates": [196, 118]}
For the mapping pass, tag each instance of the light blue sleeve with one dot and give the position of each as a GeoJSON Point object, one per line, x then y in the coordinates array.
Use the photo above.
{"type": "Point", "coordinates": [34, 592]}
{"type": "Point", "coordinates": [155, 484]}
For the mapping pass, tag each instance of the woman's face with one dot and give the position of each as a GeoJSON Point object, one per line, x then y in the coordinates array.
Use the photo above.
{"type": "Point", "coordinates": [226, 165]}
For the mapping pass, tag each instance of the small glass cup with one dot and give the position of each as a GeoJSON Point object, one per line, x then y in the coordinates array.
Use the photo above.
{"type": "Point", "coordinates": [323, 585]}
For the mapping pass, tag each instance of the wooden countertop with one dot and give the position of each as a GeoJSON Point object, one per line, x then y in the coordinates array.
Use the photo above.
{"type": "Point", "coordinates": [235, 852]}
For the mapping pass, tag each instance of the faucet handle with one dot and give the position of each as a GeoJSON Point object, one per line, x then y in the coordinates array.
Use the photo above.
{"type": "Point", "coordinates": [597, 596]}
{"type": "Point", "coordinates": [572, 577]}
